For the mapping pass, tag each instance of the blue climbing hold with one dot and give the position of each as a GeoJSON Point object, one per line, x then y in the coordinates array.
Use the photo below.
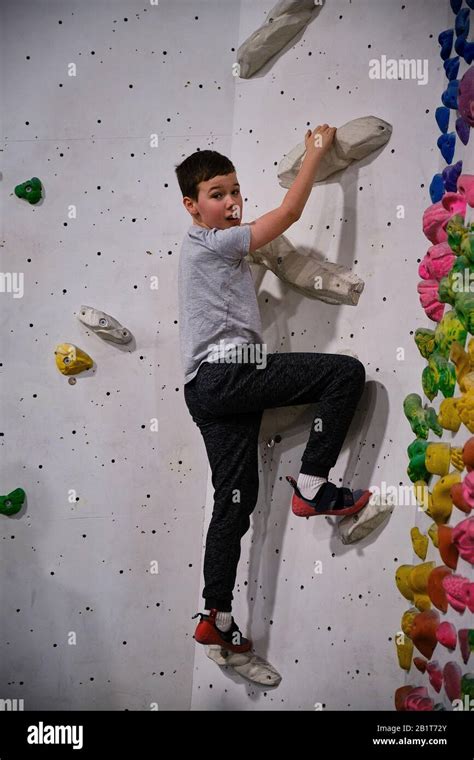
{"type": "Point", "coordinates": [436, 188]}
{"type": "Point", "coordinates": [461, 25]}
{"type": "Point", "coordinates": [468, 53]}
{"type": "Point", "coordinates": [465, 49]}
{"type": "Point", "coordinates": [451, 67]}
{"type": "Point", "coordinates": [450, 177]}
{"type": "Point", "coordinates": [456, 5]}
{"type": "Point", "coordinates": [463, 129]}
{"type": "Point", "coordinates": [446, 144]}
{"type": "Point", "coordinates": [449, 97]}
{"type": "Point", "coordinates": [442, 118]}
{"type": "Point", "coordinates": [445, 39]}
{"type": "Point", "coordinates": [460, 44]}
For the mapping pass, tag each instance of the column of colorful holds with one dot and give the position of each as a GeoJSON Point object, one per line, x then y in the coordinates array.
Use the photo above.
{"type": "Point", "coordinates": [446, 272]}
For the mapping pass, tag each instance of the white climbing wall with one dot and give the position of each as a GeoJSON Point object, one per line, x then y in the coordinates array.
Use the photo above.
{"type": "Point", "coordinates": [87, 623]}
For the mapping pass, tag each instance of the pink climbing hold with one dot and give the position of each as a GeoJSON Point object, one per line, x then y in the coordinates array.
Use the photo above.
{"type": "Point", "coordinates": [459, 592]}
{"type": "Point", "coordinates": [468, 489]}
{"type": "Point", "coordinates": [455, 203]}
{"type": "Point", "coordinates": [418, 700]}
{"type": "Point", "coordinates": [438, 261]}
{"type": "Point", "coordinates": [463, 538]}
{"type": "Point", "coordinates": [465, 187]}
{"type": "Point", "coordinates": [434, 219]}
{"type": "Point", "coordinates": [435, 674]}
{"type": "Point", "coordinates": [429, 299]}
{"type": "Point", "coordinates": [446, 635]}
{"type": "Point", "coordinates": [452, 675]}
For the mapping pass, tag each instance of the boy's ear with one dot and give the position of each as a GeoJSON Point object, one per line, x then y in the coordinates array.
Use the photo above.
{"type": "Point", "coordinates": [189, 205]}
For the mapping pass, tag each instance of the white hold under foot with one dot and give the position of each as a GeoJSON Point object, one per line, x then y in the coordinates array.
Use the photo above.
{"type": "Point", "coordinates": [247, 664]}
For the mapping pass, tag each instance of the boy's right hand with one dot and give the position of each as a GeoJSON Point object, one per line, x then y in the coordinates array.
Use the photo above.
{"type": "Point", "coordinates": [327, 136]}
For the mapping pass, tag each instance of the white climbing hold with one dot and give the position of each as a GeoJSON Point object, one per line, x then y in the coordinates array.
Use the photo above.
{"type": "Point", "coordinates": [283, 22]}
{"type": "Point", "coordinates": [352, 142]}
{"type": "Point", "coordinates": [104, 325]}
{"type": "Point", "coordinates": [323, 280]}
{"type": "Point", "coordinates": [356, 527]}
{"type": "Point", "coordinates": [248, 665]}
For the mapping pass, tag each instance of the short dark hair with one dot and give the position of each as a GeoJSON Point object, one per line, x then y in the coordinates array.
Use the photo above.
{"type": "Point", "coordinates": [200, 167]}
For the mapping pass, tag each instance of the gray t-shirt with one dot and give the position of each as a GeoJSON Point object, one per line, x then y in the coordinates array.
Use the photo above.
{"type": "Point", "coordinates": [218, 305]}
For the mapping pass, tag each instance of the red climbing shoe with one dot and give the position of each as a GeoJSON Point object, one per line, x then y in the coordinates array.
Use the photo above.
{"type": "Point", "coordinates": [329, 500]}
{"type": "Point", "coordinates": [208, 633]}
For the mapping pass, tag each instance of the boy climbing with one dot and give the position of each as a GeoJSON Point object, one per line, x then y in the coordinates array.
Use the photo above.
{"type": "Point", "coordinates": [226, 394]}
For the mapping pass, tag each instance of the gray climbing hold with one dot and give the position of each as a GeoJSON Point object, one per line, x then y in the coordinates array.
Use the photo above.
{"type": "Point", "coordinates": [283, 22]}
{"type": "Point", "coordinates": [352, 142]}
{"type": "Point", "coordinates": [249, 665]}
{"type": "Point", "coordinates": [356, 527]}
{"type": "Point", "coordinates": [104, 325]}
{"type": "Point", "coordinates": [323, 280]}
{"type": "Point", "coordinates": [277, 422]}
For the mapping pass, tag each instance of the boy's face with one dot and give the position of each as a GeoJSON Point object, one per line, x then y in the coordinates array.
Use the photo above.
{"type": "Point", "coordinates": [219, 203]}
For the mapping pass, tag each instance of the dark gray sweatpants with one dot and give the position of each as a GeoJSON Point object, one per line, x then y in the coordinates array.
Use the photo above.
{"type": "Point", "coordinates": [226, 401]}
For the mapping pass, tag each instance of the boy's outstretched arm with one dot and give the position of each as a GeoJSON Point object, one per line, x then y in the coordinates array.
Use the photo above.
{"type": "Point", "coordinates": [269, 226]}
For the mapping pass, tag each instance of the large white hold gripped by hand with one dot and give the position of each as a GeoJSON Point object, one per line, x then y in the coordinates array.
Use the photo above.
{"type": "Point", "coordinates": [352, 142]}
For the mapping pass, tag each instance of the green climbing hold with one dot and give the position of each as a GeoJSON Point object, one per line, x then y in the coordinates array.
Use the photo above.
{"type": "Point", "coordinates": [30, 190]}
{"type": "Point", "coordinates": [456, 230]}
{"type": "Point", "coordinates": [425, 341]}
{"type": "Point", "coordinates": [447, 331]}
{"type": "Point", "coordinates": [439, 375]}
{"type": "Point", "coordinates": [467, 244]}
{"type": "Point", "coordinates": [453, 283]}
{"type": "Point", "coordinates": [422, 419]}
{"type": "Point", "coordinates": [467, 685]}
{"type": "Point", "coordinates": [416, 469]}
{"type": "Point", "coordinates": [464, 305]}
{"type": "Point", "coordinates": [12, 502]}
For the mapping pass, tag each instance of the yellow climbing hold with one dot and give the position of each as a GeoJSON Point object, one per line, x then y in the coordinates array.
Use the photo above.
{"type": "Point", "coordinates": [419, 542]}
{"type": "Point", "coordinates": [407, 620]}
{"type": "Point", "coordinates": [463, 362]}
{"type": "Point", "coordinates": [437, 458]}
{"type": "Point", "coordinates": [412, 582]}
{"type": "Point", "coordinates": [448, 416]}
{"type": "Point", "coordinates": [404, 650]}
{"type": "Point", "coordinates": [418, 580]}
{"type": "Point", "coordinates": [402, 580]}
{"type": "Point", "coordinates": [441, 502]}
{"type": "Point", "coordinates": [70, 360]}
{"type": "Point", "coordinates": [422, 494]}
{"type": "Point", "coordinates": [433, 534]}
{"type": "Point", "coordinates": [465, 409]}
